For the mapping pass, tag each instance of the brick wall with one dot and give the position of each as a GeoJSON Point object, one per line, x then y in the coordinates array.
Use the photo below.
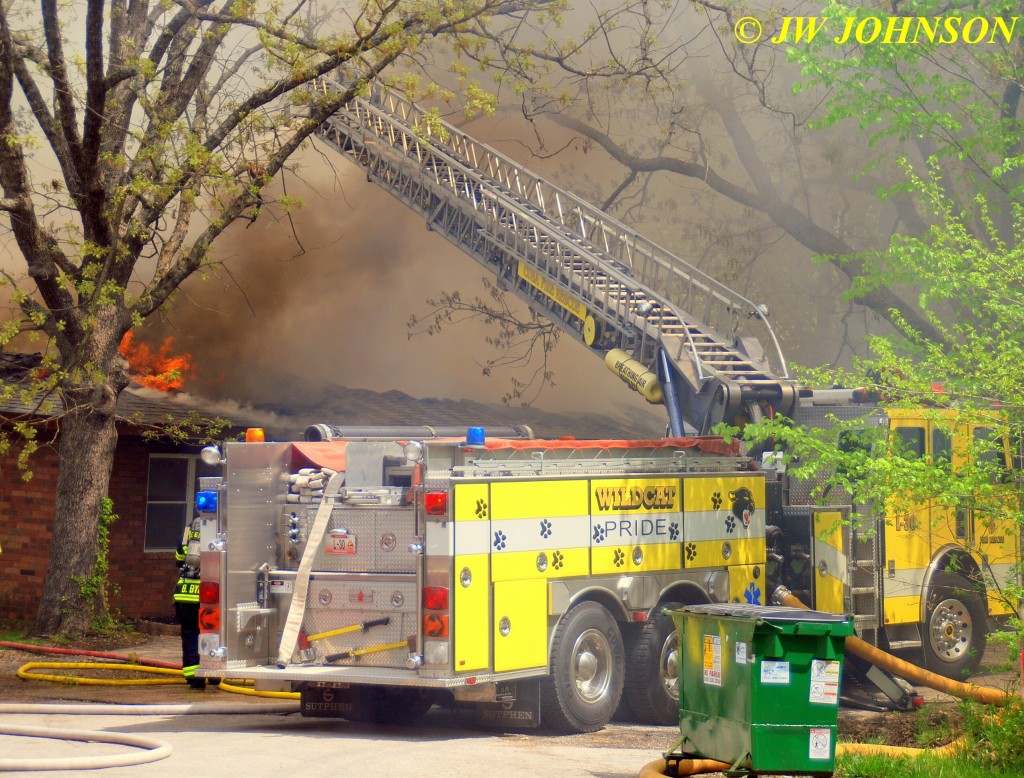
{"type": "Point", "coordinates": [26, 526]}
{"type": "Point", "coordinates": [143, 582]}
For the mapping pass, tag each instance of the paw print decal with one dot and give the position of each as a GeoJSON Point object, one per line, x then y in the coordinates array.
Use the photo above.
{"type": "Point", "coordinates": [691, 552]}
{"type": "Point", "coordinates": [499, 540]}
{"type": "Point", "coordinates": [752, 594]}
{"type": "Point", "coordinates": [716, 500]}
{"type": "Point", "coordinates": [673, 531]}
{"type": "Point", "coordinates": [545, 528]}
{"type": "Point", "coordinates": [599, 534]}
{"type": "Point", "coordinates": [557, 560]}
{"type": "Point", "coordinates": [730, 523]}
{"type": "Point", "coordinates": [620, 557]}
{"type": "Point", "coordinates": [481, 509]}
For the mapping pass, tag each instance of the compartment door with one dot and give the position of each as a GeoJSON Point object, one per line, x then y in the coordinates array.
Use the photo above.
{"type": "Point", "coordinates": [471, 578]}
{"type": "Point", "coordinates": [520, 624]}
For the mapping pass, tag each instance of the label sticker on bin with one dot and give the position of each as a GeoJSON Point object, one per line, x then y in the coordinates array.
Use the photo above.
{"type": "Point", "coordinates": [712, 660]}
{"type": "Point", "coordinates": [825, 682]}
{"type": "Point", "coordinates": [775, 672]}
{"type": "Point", "coordinates": [820, 744]}
{"type": "Point", "coordinates": [741, 653]}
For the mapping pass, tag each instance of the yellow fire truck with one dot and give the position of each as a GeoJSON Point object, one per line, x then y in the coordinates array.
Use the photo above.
{"type": "Point", "coordinates": [524, 576]}
{"type": "Point", "coordinates": [380, 571]}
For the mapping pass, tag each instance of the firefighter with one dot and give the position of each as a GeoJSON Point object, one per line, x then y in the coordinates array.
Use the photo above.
{"type": "Point", "coordinates": [186, 603]}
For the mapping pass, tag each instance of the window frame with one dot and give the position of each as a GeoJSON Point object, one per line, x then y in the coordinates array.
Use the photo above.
{"type": "Point", "coordinates": [190, 497]}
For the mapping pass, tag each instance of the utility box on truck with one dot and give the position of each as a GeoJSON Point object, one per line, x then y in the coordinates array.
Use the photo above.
{"type": "Point", "coordinates": [759, 686]}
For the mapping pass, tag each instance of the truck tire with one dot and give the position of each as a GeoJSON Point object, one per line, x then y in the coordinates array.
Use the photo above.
{"type": "Point", "coordinates": [587, 671]}
{"type": "Point", "coordinates": [953, 633]}
{"type": "Point", "coordinates": [652, 671]}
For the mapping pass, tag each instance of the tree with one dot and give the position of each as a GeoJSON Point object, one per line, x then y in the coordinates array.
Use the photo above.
{"type": "Point", "coordinates": [728, 160]}
{"type": "Point", "coordinates": [945, 119]}
{"type": "Point", "coordinates": [133, 136]}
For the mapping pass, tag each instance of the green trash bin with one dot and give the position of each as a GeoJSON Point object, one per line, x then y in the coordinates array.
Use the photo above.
{"type": "Point", "coordinates": [759, 686]}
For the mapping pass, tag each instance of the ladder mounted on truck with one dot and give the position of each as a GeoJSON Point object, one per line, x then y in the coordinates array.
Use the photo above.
{"type": "Point", "coordinates": [587, 272]}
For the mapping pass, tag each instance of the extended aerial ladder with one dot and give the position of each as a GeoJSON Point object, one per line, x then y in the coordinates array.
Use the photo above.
{"type": "Point", "coordinates": [669, 330]}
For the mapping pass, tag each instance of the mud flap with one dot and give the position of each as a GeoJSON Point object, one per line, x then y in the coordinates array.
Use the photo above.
{"type": "Point", "coordinates": [328, 702]}
{"type": "Point", "coordinates": [517, 706]}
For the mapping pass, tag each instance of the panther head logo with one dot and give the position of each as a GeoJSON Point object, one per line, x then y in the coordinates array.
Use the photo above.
{"type": "Point", "coordinates": [742, 505]}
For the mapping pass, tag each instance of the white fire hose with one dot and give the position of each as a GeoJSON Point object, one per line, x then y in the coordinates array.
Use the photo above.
{"type": "Point", "coordinates": [155, 749]}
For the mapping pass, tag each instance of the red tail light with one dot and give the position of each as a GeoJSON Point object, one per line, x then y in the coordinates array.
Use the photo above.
{"type": "Point", "coordinates": [436, 503]}
{"type": "Point", "coordinates": [209, 592]}
{"type": "Point", "coordinates": [435, 598]}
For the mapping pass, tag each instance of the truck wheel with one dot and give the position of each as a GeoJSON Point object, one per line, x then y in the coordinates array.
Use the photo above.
{"type": "Point", "coordinates": [652, 671]}
{"type": "Point", "coordinates": [587, 671]}
{"type": "Point", "coordinates": [954, 629]}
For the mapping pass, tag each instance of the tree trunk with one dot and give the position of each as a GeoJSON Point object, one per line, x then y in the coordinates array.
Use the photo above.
{"type": "Point", "coordinates": [88, 437]}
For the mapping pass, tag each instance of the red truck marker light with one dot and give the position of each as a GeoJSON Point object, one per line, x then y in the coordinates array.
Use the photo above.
{"type": "Point", "coordinates": [436, 503]}
{"type": "Point", "coordinates": [435, 598]}
{"type": "Point", "coordinates": [209, 592]}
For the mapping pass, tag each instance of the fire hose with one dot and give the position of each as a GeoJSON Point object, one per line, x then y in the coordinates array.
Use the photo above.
{"type": "Point", "coordinates": [860, 648]}
{"type": "Point", "coordinates": [912, 673]}
{"type": "Point", "coordinates": [154, 749]}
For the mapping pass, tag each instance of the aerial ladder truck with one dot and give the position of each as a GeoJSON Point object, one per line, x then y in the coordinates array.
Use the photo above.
{"type": "Point", "coordinates": [380, 570]}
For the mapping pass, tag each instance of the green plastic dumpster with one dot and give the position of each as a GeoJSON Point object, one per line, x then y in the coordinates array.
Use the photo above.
{"type": "Point", "coordinates": [759, 686]}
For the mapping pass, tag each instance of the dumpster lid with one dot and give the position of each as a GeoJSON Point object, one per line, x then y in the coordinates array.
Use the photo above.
{"type": "Point", "coordinates": [738, 610]}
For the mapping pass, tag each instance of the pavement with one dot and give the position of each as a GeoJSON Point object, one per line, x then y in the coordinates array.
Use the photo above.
{"type": "Point", "coordinates": [194, 737]}
{"type": "Point", "coordinates": [198, 737]}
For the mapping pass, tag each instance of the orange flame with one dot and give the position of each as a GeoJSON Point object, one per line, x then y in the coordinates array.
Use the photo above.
{"type": "Point", "coordinates": [156, 369]}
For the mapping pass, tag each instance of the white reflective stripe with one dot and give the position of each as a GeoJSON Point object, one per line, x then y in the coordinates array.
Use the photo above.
{"type": "Point", "coordinates": [906, 583]}
{"type": "Point", "coordinates": [472, 537]}
{"type": "Point", "coordinates": [1002, 573]}
{"type": "Point", "coordinates": [834, 559]}
{"type": "Point", "coordinates": [714, 525]}
{"type": "Point", "coordinates": [539, 534]}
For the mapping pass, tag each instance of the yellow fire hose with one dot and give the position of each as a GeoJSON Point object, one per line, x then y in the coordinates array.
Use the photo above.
{"type": "Point", "coordinates": [912, 673]}
{"type": "Point", "coordinates": [169, 676]}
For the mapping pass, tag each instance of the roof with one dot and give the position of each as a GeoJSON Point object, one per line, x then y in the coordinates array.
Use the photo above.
{"type": "Point", "coordinates": [343, 406]}
{"type": "Point", "coordinates": [137, 405]}
{"type": "Point", "coordinates": [340, 406]}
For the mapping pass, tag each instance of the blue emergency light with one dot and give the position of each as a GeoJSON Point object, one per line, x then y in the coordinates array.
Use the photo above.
{"type": "Point", "coordinates": [206, 501]}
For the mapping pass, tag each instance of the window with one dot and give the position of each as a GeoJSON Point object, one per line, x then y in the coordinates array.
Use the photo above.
{"type": "Point", "coordinates": [942, 445]}
{"type": "Point", "coordinates": [170, 497]}
{"type": "Point", "coordinates": [911, 440]}
{"type": "Point", "coordinates": [987, 449]}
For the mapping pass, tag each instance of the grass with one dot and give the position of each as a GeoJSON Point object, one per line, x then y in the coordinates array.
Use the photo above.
{"type": "Point", "coordinates": [924, 766]}
{"type": "Point", "coordinates": [993, 747]}
{"type": "Point", "coordinates": [103, 636]}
